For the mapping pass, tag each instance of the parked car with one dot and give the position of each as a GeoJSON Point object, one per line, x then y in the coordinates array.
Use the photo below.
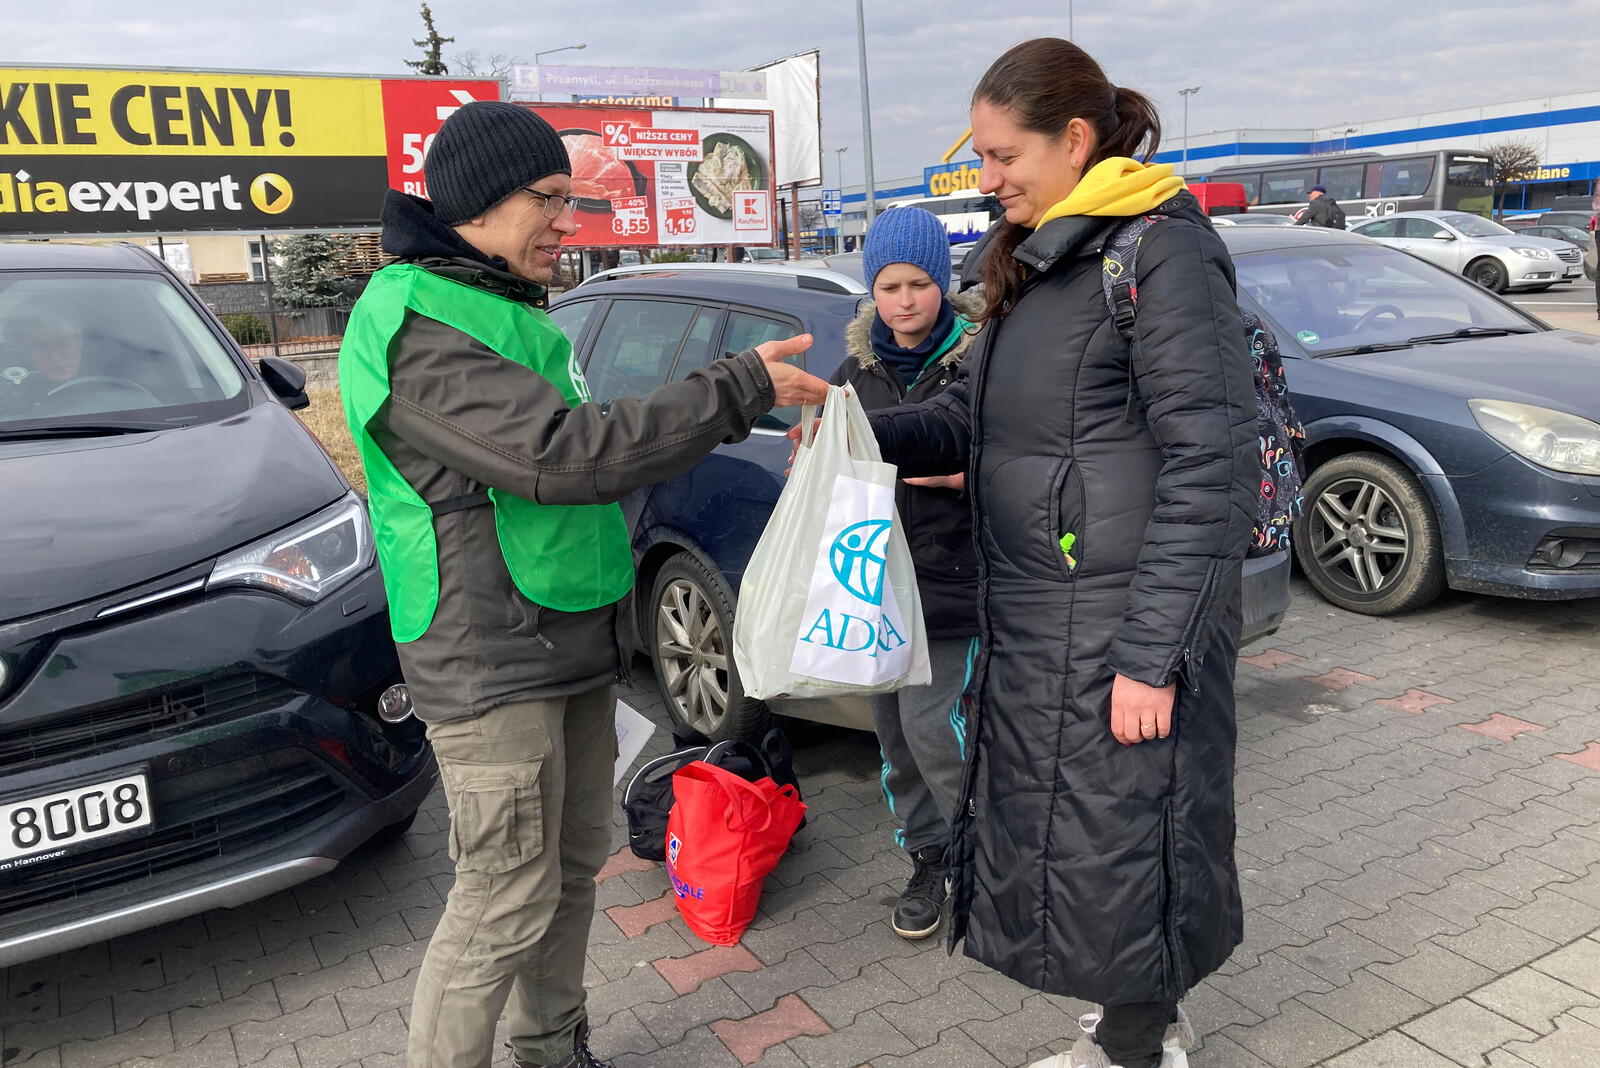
{"type": "Point", "coordinates": [1489, 254]}
{"type": "Point", "coordinates": [1578, 220]}
{"type": "Point", "coordinates": [693, 535]}
{"type": "Point", "coordinates": [1253, 218]}
{"type": "Point", "coordinates": [803, 274]}
{"type": "Point", "coordinates": [1581, 239]}
{"type": "Point", "coordinates": [1452, 439]}
{"type": "Point", "coordinates": [194, 638]}
{"type": "Point", "coordinates": [1221, 198]}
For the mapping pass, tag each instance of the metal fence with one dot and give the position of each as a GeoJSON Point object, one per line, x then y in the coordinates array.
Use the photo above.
{"type": "Point", "coordinates": [263, 328]}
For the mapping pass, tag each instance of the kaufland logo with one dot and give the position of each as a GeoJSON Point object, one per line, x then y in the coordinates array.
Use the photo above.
{"type": "Point", "coordinates": [23, 192]}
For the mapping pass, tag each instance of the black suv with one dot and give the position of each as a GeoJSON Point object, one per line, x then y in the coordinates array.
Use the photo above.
{"type": "Point", "coordinates": [194, 638]}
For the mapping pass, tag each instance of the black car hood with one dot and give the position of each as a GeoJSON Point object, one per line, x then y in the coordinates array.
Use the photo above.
{"type": "Point", "coordinates": [85, 517]}
{"type": "Point", "coordinates": [1556, 369]}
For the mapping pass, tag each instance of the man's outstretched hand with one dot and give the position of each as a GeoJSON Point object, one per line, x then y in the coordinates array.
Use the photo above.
{"type": "Point", "coordinates": [790, 384]}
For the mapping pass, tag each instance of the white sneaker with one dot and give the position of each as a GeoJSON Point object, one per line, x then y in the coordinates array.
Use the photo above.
{"type": "Point", "coordinates": [1086, 1053]}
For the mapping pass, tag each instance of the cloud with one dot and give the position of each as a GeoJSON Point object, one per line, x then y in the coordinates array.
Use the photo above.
{"type": "Point", "coordinates": [1273, 65]}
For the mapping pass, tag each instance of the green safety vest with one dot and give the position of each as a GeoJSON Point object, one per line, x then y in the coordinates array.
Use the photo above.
{"type": "Point", "coordinates": [567, 557]}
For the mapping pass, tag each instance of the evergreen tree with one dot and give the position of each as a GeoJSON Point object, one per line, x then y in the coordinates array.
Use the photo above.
{"type": "Point", "coordinates": [431, 61]}
{"type": "Point", "coordinates": [306, 272]}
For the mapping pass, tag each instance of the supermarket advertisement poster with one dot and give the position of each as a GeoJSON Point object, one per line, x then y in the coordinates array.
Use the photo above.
{"type": "Point", "coordinates": [680, 176]}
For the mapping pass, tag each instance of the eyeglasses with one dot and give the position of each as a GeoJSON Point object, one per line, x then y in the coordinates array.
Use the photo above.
{"type": "Point", "coordinates": [554, 203]}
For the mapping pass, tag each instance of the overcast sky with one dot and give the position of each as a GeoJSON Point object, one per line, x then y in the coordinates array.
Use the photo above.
{"type": "Point", "coordinates": [1258, 63]}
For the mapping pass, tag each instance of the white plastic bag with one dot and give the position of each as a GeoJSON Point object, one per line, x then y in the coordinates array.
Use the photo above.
{"type": "Point", "coordinates": [829, 605]}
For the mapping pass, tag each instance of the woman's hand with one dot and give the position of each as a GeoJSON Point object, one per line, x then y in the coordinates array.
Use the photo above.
{"type": "Point", "coordinates": [1139, 712]}
{"type": "Point", "coordinates": [791, 385]}
{"type": "Point", "coordinates": [794, 436]}
{"type": "Point", "coordinates": [956, 482]}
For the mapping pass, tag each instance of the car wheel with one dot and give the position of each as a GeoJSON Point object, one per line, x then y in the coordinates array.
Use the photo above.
{"type": "Point", "coordinates": [1488, 273]}
{"type": "Point", "coordinates": [1588, 272]}
{"type": "Point", "coordinates": [1369, 541]}
{"type": "Point", "coordinates": [691, 645]}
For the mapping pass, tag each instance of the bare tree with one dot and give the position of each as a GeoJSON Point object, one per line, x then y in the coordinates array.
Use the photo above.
{"type": "Point", "coordinates": [473, 64]}
{"type": "Point", "coordinates": [1511, 160]}
{"type": "Point", "coordinates": [430, 63]}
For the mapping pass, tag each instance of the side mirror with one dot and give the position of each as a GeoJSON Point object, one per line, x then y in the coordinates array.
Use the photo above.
{"type": "Point", "coordinates": [1444, 237]}
{"type": "Point", "coordinates": [286, 380]}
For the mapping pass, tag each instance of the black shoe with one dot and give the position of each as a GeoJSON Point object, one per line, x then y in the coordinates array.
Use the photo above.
{"type": "Point", "coordinates": [581, 1057]}
{"type": "Point", "coordinates": [917, 913]}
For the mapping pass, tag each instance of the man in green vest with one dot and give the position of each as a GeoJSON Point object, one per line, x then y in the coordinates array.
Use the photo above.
{"type": "Point", "coordinates": [493, 486]}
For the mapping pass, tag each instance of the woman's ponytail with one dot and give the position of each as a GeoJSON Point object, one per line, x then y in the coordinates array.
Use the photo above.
{"type": "Point", "coordinates": [1044, 84]}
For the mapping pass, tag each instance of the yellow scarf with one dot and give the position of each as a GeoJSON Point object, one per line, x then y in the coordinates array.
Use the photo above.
{"type": "Point", "coordinates": [1119, 186]}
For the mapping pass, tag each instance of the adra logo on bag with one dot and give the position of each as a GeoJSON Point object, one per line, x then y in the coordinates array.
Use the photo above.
{"type": "Point", "coordinates": [859, 558]}
{"type": "Point", "coordinates": [852, 630]}
{"type": "Point", "coordinates": [673, 845]}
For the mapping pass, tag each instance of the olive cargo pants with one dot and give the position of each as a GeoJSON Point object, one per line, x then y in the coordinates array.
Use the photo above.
{"type": "Point", "coordinates": [529, 789]}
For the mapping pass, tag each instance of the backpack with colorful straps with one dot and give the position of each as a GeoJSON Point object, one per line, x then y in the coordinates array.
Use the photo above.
{"type": "Point", "coordinates": [1280, 432]}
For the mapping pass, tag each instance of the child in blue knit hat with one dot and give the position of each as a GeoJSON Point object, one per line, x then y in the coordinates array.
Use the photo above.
{"type": "Point", "coordinates": [905, 346]}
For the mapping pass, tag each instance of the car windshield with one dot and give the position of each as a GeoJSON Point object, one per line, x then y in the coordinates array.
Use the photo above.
{"type": "Point", "coordinates": [1475, 225]}
{"type": "Point", "coordinates": [1334, 300]}
{"type": "Point", "coordinates": [97, 348]}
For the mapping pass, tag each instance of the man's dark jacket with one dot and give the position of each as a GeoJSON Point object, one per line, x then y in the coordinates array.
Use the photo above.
{"type": "Point", "coordinates": [937, 522]}
{"type": "Point", "coordinates": [461, 418]}
{"type": "Point", "coordinates": [1085, 867]}
{"type": "Point", "coordinates": [1323, 211]}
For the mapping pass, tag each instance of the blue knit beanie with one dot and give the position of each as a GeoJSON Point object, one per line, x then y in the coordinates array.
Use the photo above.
{"type": "Point", "coordinates": [907, 235]}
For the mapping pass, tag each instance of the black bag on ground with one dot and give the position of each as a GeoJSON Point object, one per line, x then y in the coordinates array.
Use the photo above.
{"type": "Point", "coordinates": [648, 799]}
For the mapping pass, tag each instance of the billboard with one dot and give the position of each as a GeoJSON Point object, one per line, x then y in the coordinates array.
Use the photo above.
{"type": "Point", "coordinates": [667, 176]}
{"type": "Point", "coordinates": [794, 97]}
{"type": "Point", "coordinates": [124, 151]}
{"type": "Point", "coordinates": [528, 79]}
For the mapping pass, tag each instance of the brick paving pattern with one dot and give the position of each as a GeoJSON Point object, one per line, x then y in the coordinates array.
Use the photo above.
{"type": "Point", "coordinates": [1419, 843]}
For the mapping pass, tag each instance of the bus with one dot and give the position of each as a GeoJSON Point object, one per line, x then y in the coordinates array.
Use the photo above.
{"type": "Point", "coordinates": [1369, 183]}
{"type": "Point", "coordinates": [966, 215]}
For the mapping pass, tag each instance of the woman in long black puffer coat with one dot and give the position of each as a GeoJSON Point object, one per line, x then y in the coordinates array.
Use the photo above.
{"type": "Point", "coordinates": [1114, 490]}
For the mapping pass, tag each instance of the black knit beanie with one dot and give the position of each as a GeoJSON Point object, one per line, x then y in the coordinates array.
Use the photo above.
{"type": "Point", "coordinates": [485, 152]}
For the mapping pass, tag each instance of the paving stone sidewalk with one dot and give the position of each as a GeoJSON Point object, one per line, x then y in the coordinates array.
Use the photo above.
{"type": "Point", "coordinates": [1419, 842]}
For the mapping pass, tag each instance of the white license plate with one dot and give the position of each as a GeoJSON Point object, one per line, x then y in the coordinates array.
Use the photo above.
{"type": "Point", "coordinates": [1573, 272]}
{"type": "Point", "coordinates": [42, 828]}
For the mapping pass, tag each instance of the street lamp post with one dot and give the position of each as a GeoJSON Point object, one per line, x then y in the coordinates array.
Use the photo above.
{"type": "Point", "coordinates": [866, 114]}
{"type": "Point", "coordinates": [838, 233]}
{"type": "Point", "coordinates": [553, 51]}
{"type": "Point", "coordinates": [1186, 94]}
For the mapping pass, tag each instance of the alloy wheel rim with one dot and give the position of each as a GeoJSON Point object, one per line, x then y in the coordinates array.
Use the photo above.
{"type": "Point", "coordinates": [1359, 537]}
{"type": "Point", "coordinates": [693, 656]}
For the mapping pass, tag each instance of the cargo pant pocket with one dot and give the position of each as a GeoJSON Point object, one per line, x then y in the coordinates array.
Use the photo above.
{"type": "Point", "coordinates": [496, 814]}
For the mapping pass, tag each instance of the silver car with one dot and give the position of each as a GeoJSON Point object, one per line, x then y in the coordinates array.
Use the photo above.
{"type": "Point", "coordinates": [1486, 252]}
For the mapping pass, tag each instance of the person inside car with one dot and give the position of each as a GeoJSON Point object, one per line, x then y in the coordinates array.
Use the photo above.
{"type": "Point", "coordinates": [906, 345]}
{"type": "Point", "coordinates": [494, 482]}
{"type": "Point", "coordinates": [42, 352]}
{"type": "Point", "coordinates": [1114, 488]}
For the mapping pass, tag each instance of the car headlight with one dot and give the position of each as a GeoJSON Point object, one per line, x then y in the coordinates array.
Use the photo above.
{"type": "Point", "coordinates": [1549, 438]}
{"type": "Point", "coordinates": [1533, 253]}
{"type": "Point", "coordinates": [306, 561]}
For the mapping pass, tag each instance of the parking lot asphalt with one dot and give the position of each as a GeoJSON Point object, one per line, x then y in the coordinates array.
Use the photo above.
{"type": "Point", "coordinates": [1419, 842]}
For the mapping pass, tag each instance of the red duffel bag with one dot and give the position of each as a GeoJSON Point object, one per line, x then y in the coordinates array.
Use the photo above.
{"type": "Point", "coordinates": [724, 835]}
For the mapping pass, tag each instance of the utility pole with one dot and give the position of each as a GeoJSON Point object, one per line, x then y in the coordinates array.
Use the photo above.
{"type": "Point", "coordinates": [1070, 35]}
{"type": "Point", "coordinates": [866, 114]}
{"type": "Point", "coordinates": [838, 233]}
{"type": "Point", "coordinates": [551, 52]}
{"type": "Point", "coordinates": [1186, 94]}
